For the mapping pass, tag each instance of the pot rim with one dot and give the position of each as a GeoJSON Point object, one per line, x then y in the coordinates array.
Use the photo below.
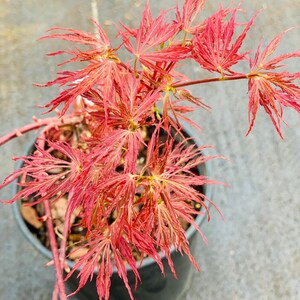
{"type": "Point", "coordinates": [208, 191]}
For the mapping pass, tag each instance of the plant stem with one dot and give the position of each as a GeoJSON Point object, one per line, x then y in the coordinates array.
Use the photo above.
{"type": "Point", "coordinates": [59, 286]}
{"type": "Point", "coordinates": [66, 229]}
{"type": "Point", "coordinates": [193, 82]}
{"type": "Point", "coordinates": [38, 123]}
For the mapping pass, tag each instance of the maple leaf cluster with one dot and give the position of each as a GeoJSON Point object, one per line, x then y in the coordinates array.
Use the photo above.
{"type": "Point", "coordinates": [129, 171]}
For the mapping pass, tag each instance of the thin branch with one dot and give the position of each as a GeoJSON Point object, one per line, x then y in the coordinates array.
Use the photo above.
{"type": "Point", "coordinates": [38, 123]}
{"type": "Point", "coordinates": [228, 78]}
{"type": "Point", "coordinates": [59, 285]}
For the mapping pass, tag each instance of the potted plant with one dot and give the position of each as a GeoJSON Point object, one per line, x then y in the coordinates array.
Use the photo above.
{"type": "Point", "coordinates": [116, 159]}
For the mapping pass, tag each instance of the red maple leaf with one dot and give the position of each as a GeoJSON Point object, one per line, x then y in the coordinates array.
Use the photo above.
{"type": "Point", "coordinates": [190, 11]}
{"type": "Point", "coordinates": [102, 70]}
{"type": "Point", "coordinates": [170, 184]}
{"type": "Point", "coordinates": [269, 89]}
{"type": "Point", "coordinates": [153, 33]}
{"type": "Point", "coordinates": [213, 47]}
{"type": "Point", "coordinates": [97, 258]}
{"type": "Point", "coordinates": [45, 184]}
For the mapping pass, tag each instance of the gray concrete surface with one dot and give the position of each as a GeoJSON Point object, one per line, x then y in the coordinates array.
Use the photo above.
{"type": "Point", "coordinates": [255, 253]}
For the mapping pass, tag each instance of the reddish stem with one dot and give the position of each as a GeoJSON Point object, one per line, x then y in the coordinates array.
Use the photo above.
{"type": "Point", "coordinates": [38, 123]}
{"type": "Point", "coordinates": [59, 286]}
{"type": "Point", "coordinates": [193, 82]}
{"type": "Point", "coordinates": [63, 245]}
{"type": "Point", "coordinates": [62, 250]}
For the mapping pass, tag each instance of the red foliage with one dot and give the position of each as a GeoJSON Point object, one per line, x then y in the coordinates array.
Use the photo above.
{"type": "Point", "coordinates": [119, 152]}
{"type": "Point", "coordinates": [190, 11]}
{"type": "Point", "coordinates": [213, 47]}
{"type": "Point", "coordinates": [150, 34]}
{"type": "Point", "coordinates": [45, 183]}
{"type": "Point", "coordinates": [272, 90]}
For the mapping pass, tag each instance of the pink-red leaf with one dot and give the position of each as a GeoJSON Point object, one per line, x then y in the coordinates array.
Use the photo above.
{"type": "Point", "coordinates": [213, 47]}
{"type": "Point", "coordinates": [270, 89]}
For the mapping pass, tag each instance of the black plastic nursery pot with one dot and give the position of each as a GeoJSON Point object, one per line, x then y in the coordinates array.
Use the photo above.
{"type": "Point", "coordinates": [153, 285]}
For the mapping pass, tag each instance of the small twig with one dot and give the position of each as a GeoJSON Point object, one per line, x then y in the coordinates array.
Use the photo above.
{"type": "Point", "coordinates": [193, 82]}
{"type": "Point", "coordinates": [63, 246]}
{"type": "Point", "coordinates": [38, 123]}
{"type": "Point", "coordinates": [59, 285]}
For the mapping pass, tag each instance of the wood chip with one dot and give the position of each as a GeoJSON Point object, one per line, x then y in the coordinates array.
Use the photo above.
{"type": "Point", "coordinates": [30, 216]}
{"type": "Point", "coordinates": [77, 252]}
{"type": "Point", "coordinates": [58, 211]}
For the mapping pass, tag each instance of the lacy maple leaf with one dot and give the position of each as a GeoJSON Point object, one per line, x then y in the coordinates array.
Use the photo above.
{"type": "Point", "coordinates": [269, 89]}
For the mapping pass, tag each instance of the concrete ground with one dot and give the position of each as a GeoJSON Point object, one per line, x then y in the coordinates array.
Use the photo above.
{"type": "Point", "coordinates": [255, 253]}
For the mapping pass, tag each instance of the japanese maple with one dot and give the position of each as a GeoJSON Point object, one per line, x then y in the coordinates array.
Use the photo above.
{"type": "Point", "coordinates": [116, 148]}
